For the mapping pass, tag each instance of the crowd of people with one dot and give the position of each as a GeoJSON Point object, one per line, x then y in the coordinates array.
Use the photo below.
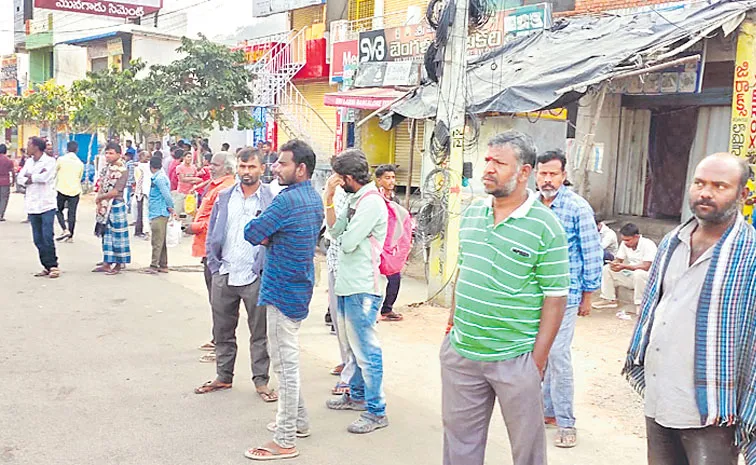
{"type": "Point", "coordinates": [529, 264]}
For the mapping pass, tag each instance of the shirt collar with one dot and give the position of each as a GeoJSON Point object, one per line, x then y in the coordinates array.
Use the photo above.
{"type": "Point", "coordinates": [523, 209]}
{"type": "Point", "coordinates": [221, 180]}
{"type": "Point", "coordinates": [238, 189]}
{"type": "Point", "coordinates": [298, 185]}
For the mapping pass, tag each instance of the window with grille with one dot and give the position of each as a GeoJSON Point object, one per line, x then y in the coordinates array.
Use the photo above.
{"type": "Point", "coordinates": [361, 9]}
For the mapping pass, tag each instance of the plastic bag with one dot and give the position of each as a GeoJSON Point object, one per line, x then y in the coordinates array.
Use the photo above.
{"type": "Point", "coordinates": [190, 204]}
{"type": "Point", "coordinates": [173, 234]}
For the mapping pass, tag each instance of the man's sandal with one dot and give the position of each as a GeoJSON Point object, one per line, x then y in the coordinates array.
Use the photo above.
{"type": "Point", "coordinates": [270, 453]}
{"type": "Point", "coordinates": [212, 386]}
{"type": "Point", "coordinates": [268, 396]}
{"type": "Point", "coordinates": [566, 438]}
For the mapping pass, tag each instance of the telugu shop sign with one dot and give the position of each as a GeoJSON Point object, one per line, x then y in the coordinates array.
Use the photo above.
{"type": "Point", "coordinates": [116, 8]}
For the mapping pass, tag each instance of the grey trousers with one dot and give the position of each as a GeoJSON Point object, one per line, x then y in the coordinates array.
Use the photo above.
{"type": "Point", "coordinates": [469, 390]}
{"type": "Point", "coordinates": [4, 197]}
{"type": "Point", "coordinates": [225, 302]}
{"type": "Point", "coordinates": [283, 338]}
{"type": "Point", "coordinates": [159, 228]}
{"type": "Point", "coordinates": [712, 445]}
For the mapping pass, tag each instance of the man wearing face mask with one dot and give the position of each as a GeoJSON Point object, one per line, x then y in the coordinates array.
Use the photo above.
{"type": "Point", "coordinates": [586, 258]}
{"type": "Point", "coordinates": [692, 353]}
{"type": "Point", "coordinates": [510, 294]}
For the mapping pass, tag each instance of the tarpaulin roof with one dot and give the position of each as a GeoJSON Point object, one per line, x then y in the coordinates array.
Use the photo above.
{"type": "Point", "coordinates": [546, 69]}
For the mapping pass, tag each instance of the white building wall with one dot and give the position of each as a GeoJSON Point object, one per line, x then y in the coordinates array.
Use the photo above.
{"type": "Point", "coordinates": [154, 50]}
{"type": "Point", "coordinates": [70, 64]}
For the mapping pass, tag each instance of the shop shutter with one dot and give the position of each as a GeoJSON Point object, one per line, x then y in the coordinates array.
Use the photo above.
{"type": "Point", "coordinates": [402, 150]}
{"type": "Point", "coordinates": [305, 17]}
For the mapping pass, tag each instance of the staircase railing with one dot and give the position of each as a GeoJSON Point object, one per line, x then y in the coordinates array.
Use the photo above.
{"type": "Point", "coordinates": [304, 121]}
{"type": "Point", "coordinates": [278, 66]}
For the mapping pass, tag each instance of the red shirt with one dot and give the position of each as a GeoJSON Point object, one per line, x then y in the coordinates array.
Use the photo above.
{"type": "Point", "coordinates": [172, 175]}
{"type": "Point", "coordinates": [6, 170]}
{"type": "Point", "coordinates": [202, 220]}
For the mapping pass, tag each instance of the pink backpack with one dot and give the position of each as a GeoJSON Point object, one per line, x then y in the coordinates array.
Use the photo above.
{"type": "Point", "coordinates": [398, 243]}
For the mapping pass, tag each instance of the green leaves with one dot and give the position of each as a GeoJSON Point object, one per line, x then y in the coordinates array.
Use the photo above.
{"type": "Point", "coordinates": [185, 98]}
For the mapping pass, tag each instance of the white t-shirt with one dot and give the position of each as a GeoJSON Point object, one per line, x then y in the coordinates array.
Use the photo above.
{"type": "Point", "coordinates": [645, 251]}
{"type": "Point", "coordinates": [608, 239]}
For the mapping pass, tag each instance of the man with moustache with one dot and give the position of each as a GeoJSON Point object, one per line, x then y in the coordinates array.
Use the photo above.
{"type": "Point", "coordinates": [236, 267]}
{"type": "Point", "coordinates": [692, 353]}
{"type": "Point", "coordinates": [586, 259]}
{"type": "Point", "coordinates": [222, 169]}
{"type": "Point", "coordinates": [510, 295]}
{"type": "Point", "coordinates": [289, 230]}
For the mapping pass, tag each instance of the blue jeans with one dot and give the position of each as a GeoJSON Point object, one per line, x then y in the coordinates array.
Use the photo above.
{"type": "Point", "coordinates": [43, 231]}
{"type": "Point", "coordinates": [559, 383]}
{"type": "Point", "coordinates": [359, 313]}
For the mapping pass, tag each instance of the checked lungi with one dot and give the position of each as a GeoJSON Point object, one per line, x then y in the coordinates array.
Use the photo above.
{"type": "Point", "coordinates": [115, 240]}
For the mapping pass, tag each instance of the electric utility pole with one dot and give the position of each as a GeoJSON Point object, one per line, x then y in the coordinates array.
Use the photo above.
{"type": "Point", "coordinates": [451, 111]}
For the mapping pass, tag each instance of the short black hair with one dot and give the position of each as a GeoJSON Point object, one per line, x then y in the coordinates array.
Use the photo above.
{"type": "Point", "coordinates": [383, 169]}
{"type": "Point", "coordinates": [352, 162]}
{"type": "Point", "coordinates": [156, 162]}
{"type": "Point", "coordinates": [225, 146]}
{"type": "Point", "coordinates": [209, 156]}
{"type": "Point", "coordinates": [249, 152]}
{"type": "Point", "coordinates": [3, 149]}
{"type": "Point", "coordinates": [113, 146]}
{"type": "Point", "coordinates": [178, 154]}
{"type": "Point", "coordinates": [552, 155]}
{"type": "Point", "coordinates": [72, 146]}
{"type": "Point", "coordinates": [158, 153]}
{"type": "Point", "coordinates": [629, 230]}
{"type": "Point", "coordinates": [302, 153]}
{"type": "Point", "coordinates": [39, 142]}
{"type": "Point", "coordinates": [129, 141]}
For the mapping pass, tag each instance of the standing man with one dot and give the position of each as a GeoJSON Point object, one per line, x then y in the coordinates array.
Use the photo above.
{"type": "Point", "coordinates": [361, 227]}
{"type": "Point", "coordinates": [38, 175]}
{"type": "Point", "coordinates": [130, 149]}
{"type": "Point", "coordinates": [160, 210]}
{"type": "Point", "coordinates": [511, 291]}
{"type": "Point", "coordinates": [385, 179]}
{"type": "Point", "coordinates": [236, 266]}
{"type": "Point", "coordinates": [143, 177]}
{"type": "Point", "coordinates": [69, 172]}
{"type": "Point", "coordinates": [629, 269]}
{"type": "Point", "coordinates": [289, 228]}
{"type": "Point", "coordinates": [7, 179]}
{"type": "Point", "coordinates": [112, 223]}
{"type": "Point", "coordinates": [692, 353]}
{"type": "Point", "coordinates": [222, 169]}
{"type": "Point", "coordinates": [269, 157]}
{"type": "Point", "coordinates": [586, 259]}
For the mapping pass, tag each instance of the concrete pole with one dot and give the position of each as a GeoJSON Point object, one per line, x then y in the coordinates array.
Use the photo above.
{"type": "Point", "coordinates": [451, 110]}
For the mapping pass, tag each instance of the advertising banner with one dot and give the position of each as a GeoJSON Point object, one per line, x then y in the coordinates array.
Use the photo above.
{"type": "Point", "coordinates": [115, 8]}
{"type": "Point", "coordinates": [743, 119]}
{"type": "Point", "coordinates": [9, 75]}
{"type": "Point", "coordinates": [343, 56]}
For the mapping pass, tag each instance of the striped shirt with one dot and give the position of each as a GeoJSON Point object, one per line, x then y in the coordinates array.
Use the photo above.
{"type": "Point", "coordinates": [505, 271]}
{"type": "Point", "coordinates": [238, 254]}
{"type": "Point", "coordinates": [292, 224]}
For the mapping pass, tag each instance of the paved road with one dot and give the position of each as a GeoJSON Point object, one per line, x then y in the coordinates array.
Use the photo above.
{"type": "Point", "coordinates": [100, 370]}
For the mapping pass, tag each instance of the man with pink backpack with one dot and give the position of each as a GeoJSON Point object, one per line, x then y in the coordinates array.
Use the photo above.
{"type": "Point", "coordinates": [361, 229]}
{"type": "Point", "coordinates": [398, 240]}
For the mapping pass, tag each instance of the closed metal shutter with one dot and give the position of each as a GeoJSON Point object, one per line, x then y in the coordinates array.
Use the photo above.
{"type": "Point", "coordinates": [402, 150]}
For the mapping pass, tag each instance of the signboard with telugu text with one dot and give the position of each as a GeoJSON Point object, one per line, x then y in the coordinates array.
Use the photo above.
{"type": "Point", "coordinates": [115, 8]}
{"type": "Point", "coordinates": [9, 75]}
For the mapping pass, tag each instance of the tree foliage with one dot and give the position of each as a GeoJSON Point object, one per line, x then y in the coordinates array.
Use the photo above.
{"type": "Point", "coordinates": [188, 97]}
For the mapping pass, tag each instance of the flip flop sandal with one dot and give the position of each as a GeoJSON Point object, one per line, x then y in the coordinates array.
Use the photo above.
{"type": "Point", "coordinates": [336, 371]}
{"type": "Point", "coordinates": [268, 397]}
{"type": "Point", "coordinates": [54, 273]}
{"type": "Point", "coordinates": [208, 358]}
{"type": "Point", "coordinates": [249, 453]}
{"type": "Point", "coordinates": [101, 269]}
{"type": "Point", "coordinates": [339, 389]}
{"type": "Point", "coordinates": [211, 386]}
{"type": "Point", "coordinates": [300, 434]}
{"type": "Point", "coordinates": [566, 438]}
{"type": "Point", "coordinates": [208, 347]}
{"type": "Point", "coordinates": [114, 271]}
{"type": "Point", "coordinates": [42, 274]}
{"type": "Point", "coordinates": [392, 317]}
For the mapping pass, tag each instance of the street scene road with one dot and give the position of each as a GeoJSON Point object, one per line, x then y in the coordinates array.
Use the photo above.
{"type": "Point", "coordinates": [100, 370]}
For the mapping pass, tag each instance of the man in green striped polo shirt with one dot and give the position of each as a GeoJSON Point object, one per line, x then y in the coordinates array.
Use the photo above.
{"type": "Point", "coordinates": [511, 291]}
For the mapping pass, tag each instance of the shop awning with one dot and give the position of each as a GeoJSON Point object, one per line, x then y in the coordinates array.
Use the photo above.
{"type": "Point", "coordinates": [551, 68]}
{"type": "Point", "coordinates": [363, 99]}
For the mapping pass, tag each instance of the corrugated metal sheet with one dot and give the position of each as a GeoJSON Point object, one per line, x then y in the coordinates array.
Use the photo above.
{"type": "Point", "coordinates": [402, 151]}
{"type": "Point", "coordinates": [632, 162]}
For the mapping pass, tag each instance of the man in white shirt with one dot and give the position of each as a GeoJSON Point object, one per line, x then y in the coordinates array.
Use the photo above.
{"type": "Point", "coordinates": [38, 175]}
{"type": "Point", "coordinates": [608, 239]}
{"type": "Point", "coordinates": [68, 173]}
{"type": "Point", "coordinates": [629, 269]}
{"type": "Point", "coordinates": [143, 177]}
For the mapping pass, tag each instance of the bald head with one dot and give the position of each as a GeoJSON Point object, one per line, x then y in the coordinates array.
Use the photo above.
{"type": "Point", "coordinates": [718, 187]}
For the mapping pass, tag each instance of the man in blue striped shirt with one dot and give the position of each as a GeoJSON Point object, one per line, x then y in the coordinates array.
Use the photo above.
{"type": "Point", "coordinates": [586, 260]}
{"type": "Point", "coordinates": [289, 228]}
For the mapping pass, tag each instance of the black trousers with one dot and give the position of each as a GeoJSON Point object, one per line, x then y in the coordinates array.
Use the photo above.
{"type": "Point", "coordinates": [72, 203]}
{"type": "Point", "coordinates": [712, 445]}
{"type": "Point", "coordinates": [392, 292]}
{"type": "Point", "coordinates": [139, 222]}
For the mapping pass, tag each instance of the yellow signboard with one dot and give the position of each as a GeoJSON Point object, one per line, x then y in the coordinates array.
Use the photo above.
{"type": "Point", "coordinates": [743, 120]}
